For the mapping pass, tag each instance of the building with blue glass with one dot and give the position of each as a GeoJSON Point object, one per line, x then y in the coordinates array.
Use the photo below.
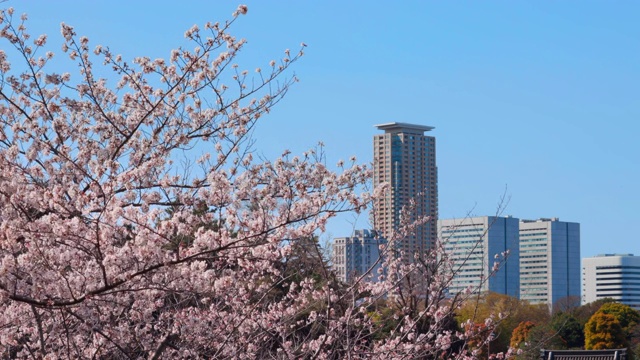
{"type": "Point", "coordinates": [549, 260]}
{"type": "Point", "coordinates": [483, 254]}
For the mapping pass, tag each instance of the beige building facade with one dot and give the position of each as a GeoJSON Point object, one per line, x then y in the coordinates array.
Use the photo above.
{"type": "Point", "coordinates": [405, 159]}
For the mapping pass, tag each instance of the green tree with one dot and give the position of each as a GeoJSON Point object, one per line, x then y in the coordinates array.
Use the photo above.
{"type": "Point", "coordinates": [385, 317]}
{"type": "Point", "coordinates": [603, 331]}
{"type": "Point", "coordinates": [545, 337]}
{"type": "Point", "coordinates": [569, 329]}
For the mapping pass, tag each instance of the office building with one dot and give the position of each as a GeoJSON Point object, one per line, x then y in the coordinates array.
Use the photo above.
{"type": "Point", "coordinates": [357, 255]}
{"type": "Point", "coordinates": [549, 260]}
{"type": "Point", "coordinates": [615, 276]}
{"type": "Point", "coordinates": [405, 159]}
{"type": "Point", "coordinates": [472, 245]}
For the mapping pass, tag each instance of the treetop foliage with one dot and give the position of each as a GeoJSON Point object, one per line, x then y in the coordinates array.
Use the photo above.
{"type": "Point", "coordinates": [119, 239]}
{"type": "Point", "coordinates": [603, 331]}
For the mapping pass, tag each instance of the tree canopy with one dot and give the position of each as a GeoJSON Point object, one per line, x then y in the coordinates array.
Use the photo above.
{"type": "Point", "coordinates": [135, 221]}
{"type": "Point", "coordinates": [569, 330]}
{"type": "Point", "coordinates": [520, 333]}
{"type": "Point", "coordinates": [512, 310]}
{"type": "Point", "coordinates": [627, 316]}
{"type": "Point", "coordinates": [603, 331]}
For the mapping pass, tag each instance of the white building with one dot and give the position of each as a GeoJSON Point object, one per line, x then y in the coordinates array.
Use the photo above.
{"type": "Point", "coordinates": [615, 276]}
{"type": "Point", "coordinates": [549, 260]}
{"type": "Point", "coordinates": [473, 243]}
{"type": "Point", "coordinates": [357, 255]}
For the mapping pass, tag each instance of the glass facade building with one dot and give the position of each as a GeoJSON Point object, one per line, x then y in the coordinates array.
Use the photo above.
{"type": "Point", "coordinates": [549, 260]}
{"type": "Point", "coordinates": [473, 245]}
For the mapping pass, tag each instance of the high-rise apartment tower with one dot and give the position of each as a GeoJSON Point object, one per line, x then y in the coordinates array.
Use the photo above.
{"type": "Point", "coordinates": [405, 158]}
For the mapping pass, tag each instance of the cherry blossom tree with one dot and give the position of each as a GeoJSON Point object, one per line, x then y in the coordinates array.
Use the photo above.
{"type": "Point", "coordinates": [115, 244]}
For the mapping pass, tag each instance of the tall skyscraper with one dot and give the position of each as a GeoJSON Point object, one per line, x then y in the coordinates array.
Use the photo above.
{"type": "Point", "coordinates": [615, 276]}
{"type": "Point", "coordinates": [472, 245]}
{"type": "Point", "coordinates": [405, 158]}
{"type": "Point", "coordinates": [549, 260]}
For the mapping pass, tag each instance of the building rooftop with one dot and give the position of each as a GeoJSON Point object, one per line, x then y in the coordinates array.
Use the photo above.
{"type": "Point", "coordinates": [613, 354]}
{"type": "Point", "coordinates": [395, 127]}
{"type": "Point", "coordinates": [613, 255]}
{"type": "Point", "coordinates": [540, 220]}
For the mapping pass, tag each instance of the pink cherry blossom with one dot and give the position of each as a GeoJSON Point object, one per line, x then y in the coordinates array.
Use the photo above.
{"type": "Point", "coordinates": [119, 238]}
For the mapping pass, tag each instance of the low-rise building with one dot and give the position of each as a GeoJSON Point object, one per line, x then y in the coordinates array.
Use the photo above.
{"type": "Point", "coordinates": [615, 276]}
{"type": "Point", "coordinates": [357, 255]}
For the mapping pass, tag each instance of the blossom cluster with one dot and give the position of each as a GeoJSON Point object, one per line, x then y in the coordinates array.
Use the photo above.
{"type": "Point", "coordinates": [116, 243]}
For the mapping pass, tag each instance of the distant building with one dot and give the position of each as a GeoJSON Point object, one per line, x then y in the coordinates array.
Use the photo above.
{"type": "Point", "coordinates": [615, 276]}
{"type": "Point", "coordinates": [549, 260]}
{"type": "Point", "coordinates": [356, 255]}
{"type": "Point", "coordinates": [405, 158]}
{"type": "Point", "coordinates": [472, 244]}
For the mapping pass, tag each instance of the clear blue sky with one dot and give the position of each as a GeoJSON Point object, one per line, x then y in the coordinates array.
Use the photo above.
{"type": "Point", "coordinates": [540, 97]}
